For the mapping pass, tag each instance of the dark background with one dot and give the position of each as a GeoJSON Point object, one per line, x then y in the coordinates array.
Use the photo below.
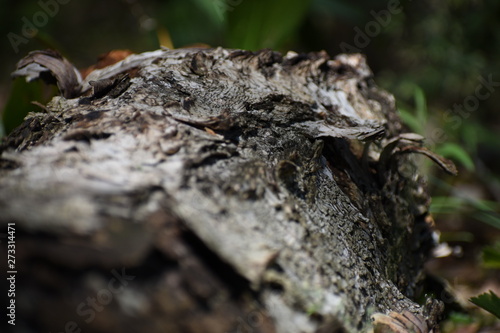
{"type": "Point", "coordinates": [430, 54]}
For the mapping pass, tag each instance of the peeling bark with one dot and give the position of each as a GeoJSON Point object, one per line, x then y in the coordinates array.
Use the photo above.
{"type": "Point", "coordinates": [230, 191]}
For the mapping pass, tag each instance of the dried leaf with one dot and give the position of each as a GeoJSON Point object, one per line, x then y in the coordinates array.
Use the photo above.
{"type": "Point", "coordinates": [107, 59]}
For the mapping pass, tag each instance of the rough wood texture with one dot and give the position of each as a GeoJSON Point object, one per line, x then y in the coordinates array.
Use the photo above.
{"type": "Point", "coordinates": [232, 192]}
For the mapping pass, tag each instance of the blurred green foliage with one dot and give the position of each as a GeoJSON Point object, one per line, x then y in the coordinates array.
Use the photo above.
{"type": "Point", "coordinates": [491, 256]}
{"type": "Point", "coordinates": [19, 102]}
{"type": "Point", "coordinates": [430, 55]}
{"type": "Point", "coordinates": [273, 23]}
{"type": "Point", "coordinates": [480, 210]}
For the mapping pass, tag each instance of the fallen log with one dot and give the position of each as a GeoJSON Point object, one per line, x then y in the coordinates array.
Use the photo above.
{"type": "Point", "coordinates": [215, 190]}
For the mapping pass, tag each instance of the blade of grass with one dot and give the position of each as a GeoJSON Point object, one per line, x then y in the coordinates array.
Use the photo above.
{"type": "Point", "coordinates": [490, 218]}
{"type": "Point", "coordinates": [411, 121]}
{"type": "Point", "coordinates": [420, 106]}
{"type": "Point", "coordinates": [491, 256]}
{"type": "Point", "coordinates": [258, 24]}
{"type": "Point", "coordinates": [456, 152]}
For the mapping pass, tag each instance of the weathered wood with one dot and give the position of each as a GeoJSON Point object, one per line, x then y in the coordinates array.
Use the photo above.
{"type": "Point", "coordinates": [232, 192]}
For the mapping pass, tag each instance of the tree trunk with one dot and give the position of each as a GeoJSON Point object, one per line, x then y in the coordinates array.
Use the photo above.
{"type": "Point", "coordinates": [216, 191]}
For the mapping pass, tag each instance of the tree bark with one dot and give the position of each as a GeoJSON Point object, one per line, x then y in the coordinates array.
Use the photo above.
{"type": "Point", "coordinates": [216, 191]}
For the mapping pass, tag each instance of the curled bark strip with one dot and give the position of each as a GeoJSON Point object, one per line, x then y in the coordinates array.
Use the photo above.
{"type": "Point", "coordinates": [399, 323]}
{"type": "Point", "coordinates": [442, 162]}
{"type": "Point", "coordinates": [50, 66]}
{"type": "Point", "coordinates": [411, 143]}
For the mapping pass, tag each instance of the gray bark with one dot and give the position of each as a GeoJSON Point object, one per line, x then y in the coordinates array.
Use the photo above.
{"type": "Point", "coordinates": [237, 191]}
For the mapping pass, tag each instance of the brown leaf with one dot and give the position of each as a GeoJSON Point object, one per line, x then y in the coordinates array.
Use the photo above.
{"type": "Point", "coordinates": [106, 59]}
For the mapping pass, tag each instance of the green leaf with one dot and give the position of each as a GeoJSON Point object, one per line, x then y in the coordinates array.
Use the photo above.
{"type": "Point", "coordinates": [456, 152]}
{"type": "Point", "coordinates": [490, 302]}
{"type": "Point", "coordinates": [461, 318]}
{"type": "Point", "coordinates": [487, 205]}
{"type": "Point", "coordinates": [491, 256]}
{"type": "Point", "coordinates": [258, 24]}
{"type": "Point", "coordinates": [420, 105]}
{"type": "Point", "coordinates": [411, 121]}
{"type": "Point", "coordinates": [193, 21]}
{"type": "Point", "coordinates": [215, 9]}
{"type": "Point", "coordinates": [489, 217]}
{"type": "Point", "coordinates": [481, 210]}
{"type": "Point", "coordinates": [443, 205]}
{"type": "Point", "coordinates": [471, 135]}
{"type": "Point", "coordinates": [416, 120]}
